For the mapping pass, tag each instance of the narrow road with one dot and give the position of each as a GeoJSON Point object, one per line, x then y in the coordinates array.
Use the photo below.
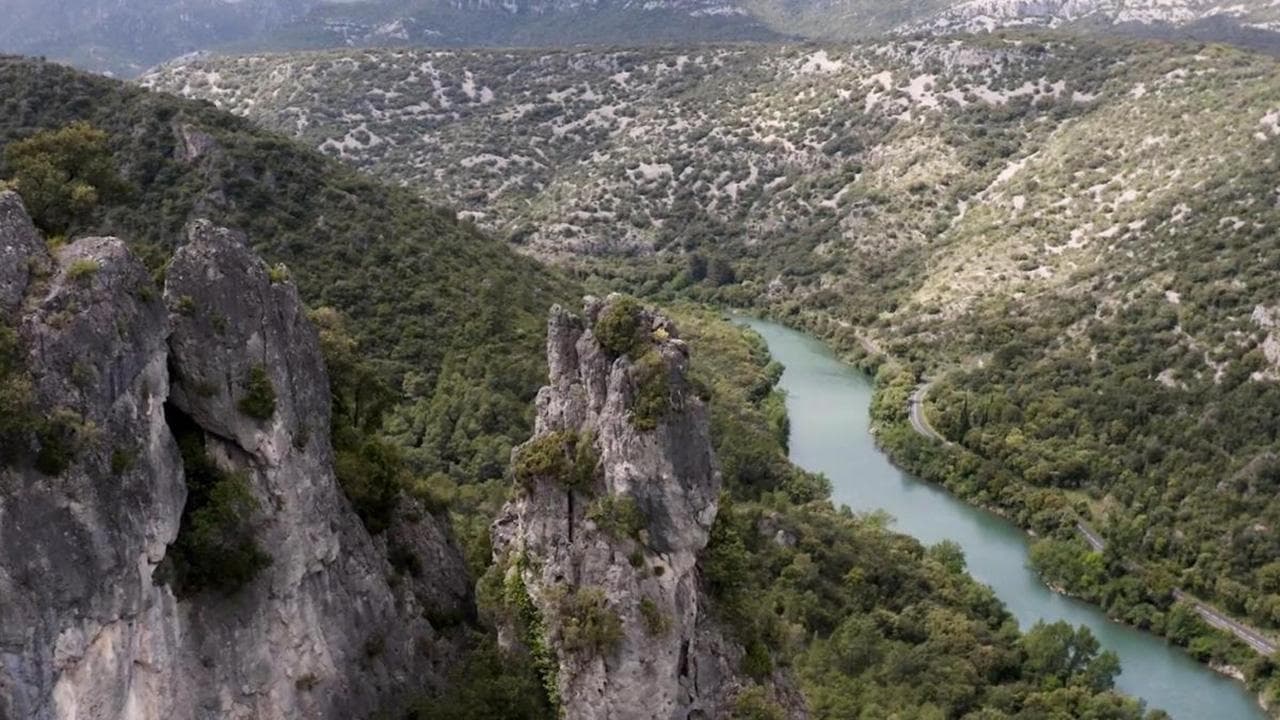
{"type": "Point", "coordinates": [919, 421]}
{"type": "Point", "coordinates": [1247, 635]}
{"type": "Point", "coordinates": [1094, 539]}
{"type": "Point", "coordinates": [1251, 637]}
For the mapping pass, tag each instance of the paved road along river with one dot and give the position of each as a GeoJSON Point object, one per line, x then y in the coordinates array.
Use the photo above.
{"type": "Point", "coordinates": [828, 403]}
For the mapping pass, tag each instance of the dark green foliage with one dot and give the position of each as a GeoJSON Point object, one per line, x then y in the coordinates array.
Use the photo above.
{"type": "Point", "coordinates": [1058, 655]}
{"type": "Point", "coordinates": [371, 470]}
{"type": "Point", "coordinates": [586, 623]}
{"type": "Point", "coordinates": [756, 661]}
{"type": "Point", "coordinates": [618, 516]}
{"type": "Point", "coordinates": [215, 549]}
{"type": "Point", "coordinates": [562, 456]}
{"type": "Point", "coordinates": [15, 395]}
{"type": "Point", "coordinates": [60, 437]}
{"type": "Point", "coordinates": [63, 175]}
{"type": "Point", "coordinates": [122, 460]}
{"type": "Point", "coordinates": [753, 704]}
{"type": "Point", "coordinates": [949, 555]}
{"type": "Point", "coordinates": [653, 392]}
{"type": "Point", "coordinates": [520, 609]}
{"type": "Point", "coordinates": [373, 475]}
{"type": "Point", "coordinates": [748, 415]}
{"type": "Point", "coordinates": [450, 320]}
{"type": "Point", "coordinates": [404, 561]}
{"type": "Point", "coordinates": [619, 328]}
{"type": "Point", "coordinates": [259, 400]}
{"type": "Point", "coordinates": [656, 622]}
{"type": "Point", "coordinates": [489, 685]}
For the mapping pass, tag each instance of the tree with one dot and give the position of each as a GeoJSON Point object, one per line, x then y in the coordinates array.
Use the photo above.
{"type": "Point", "coordinates": [63, 174]}
{"type": "Point", "coordinates": [1060, 655]}
{"type": "Point", "coordinates": [721, 272]}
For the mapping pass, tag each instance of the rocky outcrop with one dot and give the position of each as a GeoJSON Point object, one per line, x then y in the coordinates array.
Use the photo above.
{"type": "Point", "coordinates": [619, 489]}
{"type": "Point", "coordinates": [84, 633]}
{"type": "Point", "coordinates": [90, 626]}
{"type": "Point", "coordinates": [21, 249]}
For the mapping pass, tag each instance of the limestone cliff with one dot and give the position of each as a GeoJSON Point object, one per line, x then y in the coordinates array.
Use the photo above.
{"type": "Point", "coordinates": [92, 623]}
{"type": "Point", "coordinates": [618, 491]}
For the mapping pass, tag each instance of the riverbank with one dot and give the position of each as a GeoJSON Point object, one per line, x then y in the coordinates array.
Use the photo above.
{"type": "Point", "coordinates": [1243, 657]}
{"type": "Point", "coordinates": [830, 406]}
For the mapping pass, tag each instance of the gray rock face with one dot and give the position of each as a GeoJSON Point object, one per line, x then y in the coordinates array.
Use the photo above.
{"type": "Point", "coordinates": [195, 143]}
{"type": "Point", "coordinates": [83, 630]}
{"type": "Point", "coordinates": [20, 250]}
{"type": "Point", "coordinates": [671, 660]}
{"type": "Point", "coordinates": [87, 630]}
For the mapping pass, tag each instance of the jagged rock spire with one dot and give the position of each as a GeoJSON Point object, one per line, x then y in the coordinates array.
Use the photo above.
{"type": "Point", "coordinates": [619, 488]}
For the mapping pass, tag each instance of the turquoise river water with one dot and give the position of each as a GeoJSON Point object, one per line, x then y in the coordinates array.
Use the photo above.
{"type": "Point", "coordinates": [828, 402]}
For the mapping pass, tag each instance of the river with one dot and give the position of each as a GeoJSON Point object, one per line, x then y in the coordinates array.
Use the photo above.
{"type": "Point", "coordinates": [828, 402]}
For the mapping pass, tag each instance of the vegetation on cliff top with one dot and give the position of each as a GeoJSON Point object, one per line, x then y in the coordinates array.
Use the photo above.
{"type": "Point", "coordinates": [449, 319]}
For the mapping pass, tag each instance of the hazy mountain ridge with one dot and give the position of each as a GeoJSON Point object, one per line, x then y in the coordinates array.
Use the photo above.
{"type": "Point", "coordinates": [127, 36]}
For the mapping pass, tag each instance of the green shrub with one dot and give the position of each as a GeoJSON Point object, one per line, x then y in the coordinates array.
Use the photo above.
{"type": "Point", "coordinates": [63, 174]}
{"type": "Point", "coordinates": [259, 399]}
{"type": "Point", "coordinates": [617, 515]}
{"type": "Point", "coordinates": [403, 560]}
{"type": "Point", "coordinates": [587, 624]}
{"type": "Point", "coordinates": [489, 684]}
{"type": "Point", "coordinates": [533, 631]}
{"type": "Point", "coordinates": [619, 330]}
{"type": "Point", "coordinates": [563, 455]}
{"type": "Point", "coordinates": [61, 436]}
{"type": "Point", "coordinates": [656, 622]}
{"type": "Point", "coordinates": [221, 551]}
{"type": "Point", "coordinates": [753, 704]}
{"type": "Point", "coordinates": [82, 269]}
{"type": "Point", "coordinates": [653, 392]}
{"type": "Point", "coordinates": [215, 548]}
{"type": "Point", "coordinates": [16, 395]}
{"type": "Point", "coordinates": [756, 662]}
{"type": "Point", "coordinates": [372, 475]}
{"type": "Point", "coordinates": [122, 460]}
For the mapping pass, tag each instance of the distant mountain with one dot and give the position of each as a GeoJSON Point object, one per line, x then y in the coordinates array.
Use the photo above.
{"type": "Point", "coordinates": [124, 37]}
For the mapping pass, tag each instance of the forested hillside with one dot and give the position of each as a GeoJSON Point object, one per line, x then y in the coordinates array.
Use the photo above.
{"type": "Point", "coordinates": [433, 336]}
{"type": "Point", "coordinates": [448, 318]}
{"type": "Point", "coordinates": [1076, 239]}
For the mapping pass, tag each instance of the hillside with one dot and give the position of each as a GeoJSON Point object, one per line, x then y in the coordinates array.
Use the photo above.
{"type": "Point", "coordinates": [405, 276]}
{"type": "Point", "coordinates": [1076, 238]}
{"type": "Point", "coordinates": [192, 539]}
{"type": "Point", "coordinates": [126, 37]}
